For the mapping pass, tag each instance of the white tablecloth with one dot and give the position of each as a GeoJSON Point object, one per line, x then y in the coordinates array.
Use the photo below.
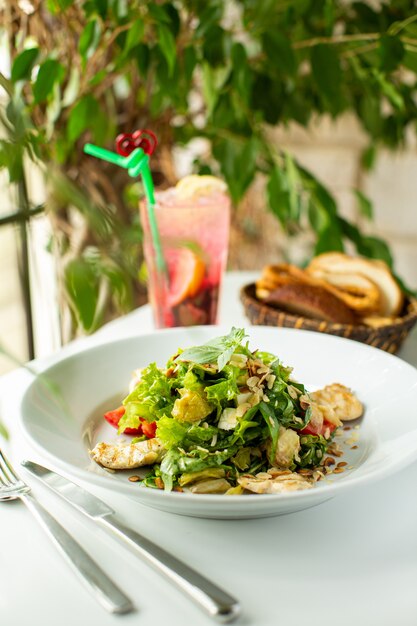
{"type": "Point", "coordinates": [351, 561]}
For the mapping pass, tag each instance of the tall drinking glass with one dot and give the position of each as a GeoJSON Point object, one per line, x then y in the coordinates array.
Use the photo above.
{"type": "Point", "coordinates": [194, 233]}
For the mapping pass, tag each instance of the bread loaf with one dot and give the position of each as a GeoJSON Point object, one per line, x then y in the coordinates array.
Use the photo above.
{"type": "Point", "coordinates": [339, 266]}
{"type": "Point", "coordinates": [357, 291]}
{"type": "Point", "coordinates": [311, 301]}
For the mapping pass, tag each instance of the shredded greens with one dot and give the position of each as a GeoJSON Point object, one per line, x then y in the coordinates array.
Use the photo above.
{"type": "Point", "coordinates": [221, 411]}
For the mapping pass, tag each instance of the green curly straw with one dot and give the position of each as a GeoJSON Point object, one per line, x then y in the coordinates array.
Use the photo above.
{"type": "Point", "coordinates": [136, 163]}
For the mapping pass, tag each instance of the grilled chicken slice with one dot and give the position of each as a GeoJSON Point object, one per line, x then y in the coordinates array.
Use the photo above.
{"type": "Point", "coordinates": [128, 456]}
{"type": "Point", "coordinates": [279, 484]}
{"type": "Point", "coordinates": [342, 400]}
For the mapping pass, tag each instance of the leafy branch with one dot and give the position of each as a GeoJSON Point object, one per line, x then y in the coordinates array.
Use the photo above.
{"type": "Point", "coordinates": [335, 39]}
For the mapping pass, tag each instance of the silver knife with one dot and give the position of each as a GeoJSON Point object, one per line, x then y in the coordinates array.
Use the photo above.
{"type": "Point", "coordinates": [208, 596]}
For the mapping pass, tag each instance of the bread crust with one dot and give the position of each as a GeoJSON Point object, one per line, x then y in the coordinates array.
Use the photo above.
{"type": "Point", "coordinates": [311, 301]}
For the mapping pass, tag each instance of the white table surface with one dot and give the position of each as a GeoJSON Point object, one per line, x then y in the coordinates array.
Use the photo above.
{"type": "Point", "coordinates": [351, 561]}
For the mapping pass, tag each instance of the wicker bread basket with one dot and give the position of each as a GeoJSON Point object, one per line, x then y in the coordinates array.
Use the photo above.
{"type": "Point", "coordinates": [389, 337]}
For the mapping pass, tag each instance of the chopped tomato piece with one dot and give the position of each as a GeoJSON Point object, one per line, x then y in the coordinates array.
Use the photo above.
{"type": "Point", "coordinates": [145, 428]}
{"type": "Point", "coordinates": [113, 417]}
{"type": "Point", "coordinates": [148, 428]}
{"type": "Point", "coordinates": [313, 430]}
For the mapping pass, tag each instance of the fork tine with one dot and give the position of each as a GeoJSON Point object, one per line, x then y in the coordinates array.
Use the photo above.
{"type": "Point", "coordinates": [4, 476]}
{"type": "Point", "coordinates": [9, 475]}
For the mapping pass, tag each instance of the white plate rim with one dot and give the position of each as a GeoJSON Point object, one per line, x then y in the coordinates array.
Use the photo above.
{"type": "Point", "coordinates": [149, 495]}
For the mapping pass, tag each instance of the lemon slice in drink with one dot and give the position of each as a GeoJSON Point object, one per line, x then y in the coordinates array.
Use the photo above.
{"type": "Point", "coordinates": [196, 186]}
{"type": "Point", "coordinates": [186, 273]}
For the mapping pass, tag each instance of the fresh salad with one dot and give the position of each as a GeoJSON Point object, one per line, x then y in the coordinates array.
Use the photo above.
{"type": "Point", "coordinates": [222, 418]}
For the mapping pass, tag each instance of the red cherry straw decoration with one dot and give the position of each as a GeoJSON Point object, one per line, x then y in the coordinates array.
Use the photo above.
{"type": "Point", "coordinates": [142, 138]}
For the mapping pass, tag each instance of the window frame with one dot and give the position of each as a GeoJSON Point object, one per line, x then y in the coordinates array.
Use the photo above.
{"type": "Point", "coordinates": [21, 219]}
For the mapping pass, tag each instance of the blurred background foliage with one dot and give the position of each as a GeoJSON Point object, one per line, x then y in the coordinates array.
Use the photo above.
{"type": "Point", "coordinates": [223, 71]}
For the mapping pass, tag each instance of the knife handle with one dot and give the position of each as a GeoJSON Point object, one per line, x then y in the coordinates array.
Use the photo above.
{"type": "Point", "coordinates": [213, 600]}
{"type": "Point", "coordinates": [94, 578]}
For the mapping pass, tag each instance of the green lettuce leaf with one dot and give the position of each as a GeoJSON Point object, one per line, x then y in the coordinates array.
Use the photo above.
{"type": "Point", "coordinates": [199, 459]}
{"type": "Point", "coordinates": [151, 399]}
{"type": "Point", "coordinates": [177, 462]}
{"type": "Point", "coordinates": [273, 427]}
{"type": "Point", "coordinates": [199, 435]}
{"type": "Point", "coordinates": [171, 432]}
{"type": "Point", "coordinates": [169, 468]}
{"type": "Point", "coordinates": [174, 434]}
{"type": "Point", "coordinates": [312, 451]}
{"type": "Point", "coordinates": [223, 392]}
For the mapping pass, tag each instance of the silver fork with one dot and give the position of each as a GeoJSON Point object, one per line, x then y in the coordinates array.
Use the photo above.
{"type": "Point", "coordinates": [95, 579]}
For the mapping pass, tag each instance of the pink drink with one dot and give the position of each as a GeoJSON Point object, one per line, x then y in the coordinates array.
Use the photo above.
{"type": "Point", "coordinates": [194, 234]}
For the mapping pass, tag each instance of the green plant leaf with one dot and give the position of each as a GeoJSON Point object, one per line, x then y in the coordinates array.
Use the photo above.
{"type": "Point", "coordinates": [210, 92]}
{"type": "Point", "coordinates": [318, 193]}
{"type": "Point", "coordinates": [168, 47]}
{"type": "Point", "coordinates": [238, 164]}
{"type": "Point", "coordinates": [63, 192]}
{"type": "Point", "coordinates": [329, 15]}
{"type": "Point", "coordinates": [371, 114]}
{"type": "Point", "coordinates": [174, 18]}
{"type": "Point", "coordinates": [278, 197]}
{"type": "Point", "coordinates": [368, 157]}
{"type": "Point", "coordinates": [293, 180]}
{"type": "Point", "coordinates": [242, 77]}
{"type": "Point", "coordinates": [121, 286]}
{"type": "Point", "coordinates": [280, 54]}
{"type": "Point", "coordinates": [218, 350]}
{"type": "Point", "coordinates": [11, 157]}
{"type": "Point", "coordinates": [410, 60]}
{"type": "Point", "coordinates": [53, 110]}
{"type": "Point", "coordinates": [82, 117]}
{"type": "Point", "coordinates": [208, 17]}
{"type": "Point", "coordinates": [364, 204]}
{"type": "Point", "coordinates": [390, 91]}
{"type": "Point", "coordinates": [143, 58]}
{"type": "Point", "coordinates": [267, 97]}
{"type": "Point", "coordinates": [23, 64]}
{"type": "Point", "coordinates": [376, 248]}
{"type": "Point", "coordinates": [134, 35]}
{"type": "Point", "coordinates": [50, 72]}
{"type": "Point", "coordinates": [190, 61]}
{"type": "Point", "coordinates": [329, 238]}
{"type": "Point", "coordinates": [391, 53]}
{"type": "Point", "coordinates": [72, 87]}
{"type": "Point", "coordinates": [327, 74]}
{"type": "Point", "coordinates": [368, 246]}
{"type": "Point", "coordinates": [101, 7]}
{"type": "Point", "coordinates": [83, 290]}
{"type": "Point", "coordinates": [89, 39]}
{"type": "Point", "coordinates": [228, 110]}
{"type": "Point", "coordinates": [158, 13]}
{"type": "Point", "coordinates": [214, 45]}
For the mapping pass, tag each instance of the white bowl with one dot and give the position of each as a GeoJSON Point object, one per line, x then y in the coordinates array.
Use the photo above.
{"type": "Point", "coordinates": [61, 413]}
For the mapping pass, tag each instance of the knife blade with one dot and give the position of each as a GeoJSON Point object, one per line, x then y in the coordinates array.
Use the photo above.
{"type": "Point", "coordinates": [216, 602]}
